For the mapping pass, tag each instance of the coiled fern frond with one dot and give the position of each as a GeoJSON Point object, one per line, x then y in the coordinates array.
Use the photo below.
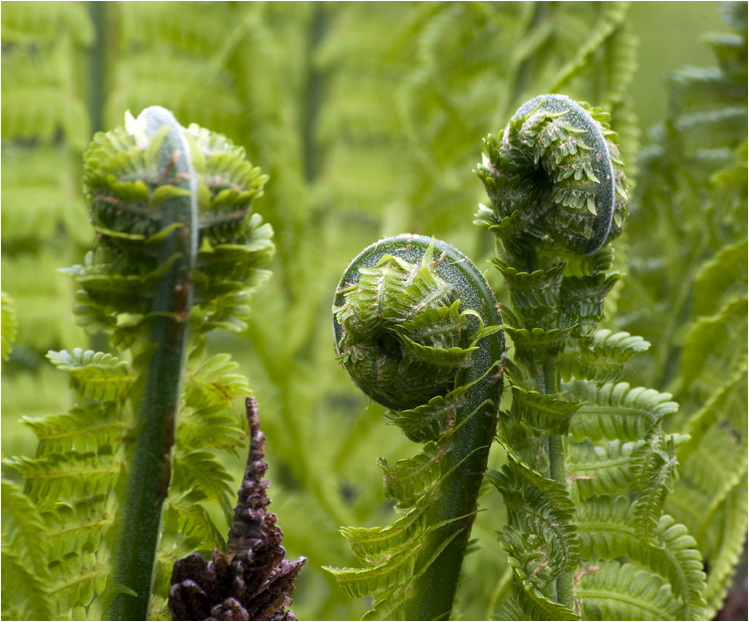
{"type": "Point", "coordinates": [418, 330]}
{"type": "Point", "coordinates": [559, 197]}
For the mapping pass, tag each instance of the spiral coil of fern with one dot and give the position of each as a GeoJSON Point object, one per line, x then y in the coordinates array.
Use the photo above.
{"type": "Point", "coordinates": [554, 179]}
{"type": "Point", "coordinates": [418, 329]}
{"type": "Point", "coordinates": [176, 245]}
{"type": "Point", "coordinates": [558, 198]}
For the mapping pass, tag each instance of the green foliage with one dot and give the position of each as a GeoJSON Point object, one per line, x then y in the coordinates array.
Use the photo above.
{"type": "Point", "coordinates": [366, 117]}
{"type": "Point", "coordinates": [9, 325]}
{"type": "Point", "coordinates": [403, 338]}
{"type": "Point", "coordinates": [573, 447]}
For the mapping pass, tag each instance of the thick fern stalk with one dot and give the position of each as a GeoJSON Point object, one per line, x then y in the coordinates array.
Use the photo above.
{"type": "Point", "coordinates": [558, 198]}
{"type": "Point", "coordinates": [418, 329]}
{"type": "Point", "coordinates": [148, 469]}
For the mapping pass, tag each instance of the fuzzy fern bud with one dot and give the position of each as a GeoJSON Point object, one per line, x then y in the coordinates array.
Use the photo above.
{"type": "Point", "coordinates": [127, 187]}
{"type": "Point", "coordinates": [403, 337]}
{"type": "Point", "coordinates": [554, 177]}
{"type": "Point", "coordinates": [417, 327]}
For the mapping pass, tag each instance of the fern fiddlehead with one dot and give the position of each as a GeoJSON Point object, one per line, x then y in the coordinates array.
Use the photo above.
{"type": "Point", "coordinates": [176, 244]}
{"type": "Point", "coordinates": [418, 329]}
{"type": "Point", "coordinates": [558, 197]}
{"type": "Point", "coordinates": [168, 161]}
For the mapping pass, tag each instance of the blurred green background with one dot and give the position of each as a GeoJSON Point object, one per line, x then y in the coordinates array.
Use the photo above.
{"type": "Point", "coordinates": [368, 118]}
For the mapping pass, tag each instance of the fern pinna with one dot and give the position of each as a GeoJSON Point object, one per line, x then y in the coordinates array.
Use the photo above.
{"type": "Point", "coordinates": [177, 245]}
{"type": "Point", "coordinates": [689, 291]}
{"type": "Point", "coordinates": [589, 464]}
{"type": "Point", "coordinates": [418, 329]}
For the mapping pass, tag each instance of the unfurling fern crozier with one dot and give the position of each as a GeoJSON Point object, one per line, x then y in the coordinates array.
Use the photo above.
{"type": "Point", "coordinates": [575, 448]}
{"type": "Point", "coordinates": [554, 178]}
{"type": "Point", "coordinates": [418, 329]}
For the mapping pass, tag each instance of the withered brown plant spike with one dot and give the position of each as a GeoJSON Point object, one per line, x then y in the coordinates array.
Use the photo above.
{"type": "Point", "coordinates": [252, 580]}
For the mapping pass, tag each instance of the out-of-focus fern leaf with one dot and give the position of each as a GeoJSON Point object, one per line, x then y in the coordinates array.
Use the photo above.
{"type": "Point", "coordinates": [24, 531]}
{"type": "Point", "coordinates": [24, 595]}
{"type": "Point", "coordinates": [39, 292]}
{"type": "Point", "coordinates": [40, 197]}
{"type": "Point", "coordinates": [725, 556]}
{"type": "Point", "coordinates": [711, 333]}
{"type": "Point", "coordinates": [9, 325]}
{"type": "Point", "coordinates": [191, 468]}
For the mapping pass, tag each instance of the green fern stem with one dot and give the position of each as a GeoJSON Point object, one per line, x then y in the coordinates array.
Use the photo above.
{"type": "Point", "coordinates": [418, 329]}
{"type": "Point", "coordinates": [558, 197]}
{"type": "Point", "coordinates": [148, 469]}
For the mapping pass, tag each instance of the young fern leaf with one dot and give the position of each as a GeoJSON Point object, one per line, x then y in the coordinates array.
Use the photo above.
{"type": "Point", "coordinates": [733, 538]}
{"type": "Point", "coordinates": [616, 411]}
{"type": "Point", "coordinates": [96, 375]}
{"type": "Point", "coordinates": [416, 327]}
{"type": "Point", "coordinates": [593, 437]}
{"type": "Point", "coordinates": [607, 530]}
{"type": "Point", "coordinates": [602, 358]}
{"type": "Point", "coordinates": [25, 597]}
{"type": "Point", "coordinates": [613, 591]}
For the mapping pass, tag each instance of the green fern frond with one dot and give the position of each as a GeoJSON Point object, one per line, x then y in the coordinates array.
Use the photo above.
{"type": "Point", "coordinates": [675, 557]}
{"type": "Point", "coordinates": [389, 572]}
{"type": "Point", "coordinates": [23, 531]}
{"type": "Point", "coordinates": [408, 479]}
{"type": "Point", "coordinates": [527, 602]}
{"type": "Point", "coordinates": [211, 382]}
{"type": "Point", "coordinates": [371, 545]}
{"type": "Point", "coordinates": [582, 297]}
{"type": "Point", "coordinates": [601, 33]}
{"type": "Point", "coordinates": [540, 507]}
{"type": "Point", "coordinates": [602, 358]}
{"type": "Point", "coordinates": [77, 578]}
{"type": "Point", "coordinates": [193, 521]}
{"type": "Point", "coordinates": [78, 526]}
{"type": "Point", "coordinates": [597, 470]}
{"type": "Point", "coordinates": [709, 333]}
{"type": "Point", "coordinates": [537, 344]}
{"type": "Point", "coordinates": [82, 429]}
{"type": "Point", "coordinates": [607, 528]}
{"type": "Point", "coordinates": [616, 411]}
{"type": "Point", "coordinates": [68, 475]}
{"type": "Point", "coordinates": [723, 561]}
{"type": "Point", "coordinates": [610, 590]}
{"type": "Point", "coordinates": [24, 23]}
{"type": "Point", "coordinates": [543, 413]}
{"type": "Point", "coordinates": [39, 292]}
{"type": "Point", "coordinates": [97, 375]}
{"type": "Point", "coordinates": [39, 99]}
{"type": "Point", "coordinates": [723, 276]}
{"type": "Point", "coordinates": [199, 30]}
{"type": "Point", "coordinates": [654, 470]}
{"type": "Point", "coordinates": [39, 197]}
{"type": "Point", "coordinates": [24, 594]}
{"type": "Point", "coordinates": [192, 469]}
{"type": "Point", "coordinates": [535, 295]}
{"type": "Point", "coordinates": [9, 325]}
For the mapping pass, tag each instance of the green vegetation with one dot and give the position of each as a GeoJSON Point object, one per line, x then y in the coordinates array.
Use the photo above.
{"type": "Point", "coordinates": [629, 451]}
